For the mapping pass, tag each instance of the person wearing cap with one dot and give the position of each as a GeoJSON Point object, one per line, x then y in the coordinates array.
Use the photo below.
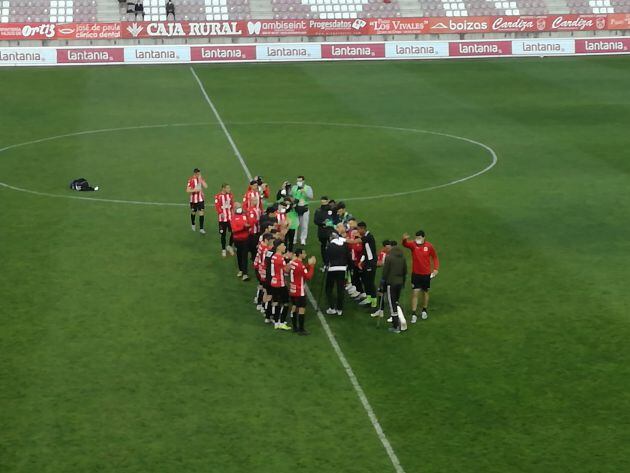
{"type": "Point", "coordinates": [302, 193]}
{"type": "Point", "coordinates": [424, 267]}
{"type": "Point", "coordinates": [323, 221]}
{"type": "Point", "coordinates": [196, 197]}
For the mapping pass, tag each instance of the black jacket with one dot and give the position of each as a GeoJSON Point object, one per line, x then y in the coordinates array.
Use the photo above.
{"type": "Point", "coordinates": [369, 250]}
{"type": "Point", "coordinates": [321, 215]}
{"type": "Point", "coordinates": [395, 267]}
{"type": "Point", "coordinates": [338, 255]}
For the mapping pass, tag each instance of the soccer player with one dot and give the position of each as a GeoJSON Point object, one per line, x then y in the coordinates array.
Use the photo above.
{"type": "Point", "coordinates": [240, 231]}
{"type": "Point", "coordinates": [263, 246]}
{"type": "Point", "coordinates": [252, 196]}
{"type": "Point", "coordinates": [224, 205]}
{"type": "Point", "coordinates": [276, 269]}
{"type": "Point", "coordinates": [368, 265]}
{"type": "Point", "coordinates": [299, 273]}
{"type": "Point", "coordinates": [394, 275]}
{"type": "Point", "coordinates": [195, 192]}
{"type": "Point", "coordinates": [423, 255]}
{"type": "Point", "coordinates": [253, 219]}
{"type": "Point", "coordinates": [338, 257]}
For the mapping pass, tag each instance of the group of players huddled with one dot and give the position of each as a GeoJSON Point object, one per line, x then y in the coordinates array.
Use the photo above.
{"type": "Point", "coordinates": [266, 235]}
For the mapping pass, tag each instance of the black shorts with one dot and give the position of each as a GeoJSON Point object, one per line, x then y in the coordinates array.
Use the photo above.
{"type": "Point", "coordinates": [266, 287]}
{"type": "Point", "coordinates": [298, 301]}
{"type": "Point", "coordinates": [421, 281]}
{"type": "Point", "coordinates": [197, 206]}
{"type": "Point", "coordinates": [224, 227]}
{"type": "Point", "coordinates": [280, 294]}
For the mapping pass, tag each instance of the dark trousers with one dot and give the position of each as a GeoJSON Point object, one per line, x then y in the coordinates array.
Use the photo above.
{"type": "Point", "coordinates": [368, 275]}
{"type": "Point", "coordinates": [355, 278]}
{"type": "Point", "coordinates": [224, 228]}
{"type": "Point", "coordinates": [335, 279]}
{"type": "Point", "coordinates": [288, 239]}
{"type": "Point", "coordinates": [393, 296]}
{"type": "Point", "coordinates": [322, 246]}
{"type": "Point", "coordinates": [241, 255]}
{"type": "Point", "coordinates": [252, 246]}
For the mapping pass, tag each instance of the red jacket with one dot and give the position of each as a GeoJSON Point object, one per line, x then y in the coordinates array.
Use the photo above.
{"type": "Point", "coordinates": [239, 225]}
{"type": "Point", "coordinates": [422, 256]}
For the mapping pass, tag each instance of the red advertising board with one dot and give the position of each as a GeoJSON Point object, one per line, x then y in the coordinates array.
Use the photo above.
{"type": "Point", "coordinates": [223, 53]}
{"type": "Point", "coordinates": [602, 46]}
{"type": "Point", "coordinates": [90, 55]}
{"type": "Point", "coordinates": [314, 27]}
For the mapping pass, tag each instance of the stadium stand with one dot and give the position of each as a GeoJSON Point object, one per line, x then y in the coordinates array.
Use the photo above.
{"type": "Point", "coordinates": [193, 10]}
{"type": "Point", "coordinates": [483, 7]}
{"type": "Point", "coordinates": [334, 9]}
{"type": "Point", "coordinates": [60, 11]}
{"type": "Point", "coordinates": [54, 11]}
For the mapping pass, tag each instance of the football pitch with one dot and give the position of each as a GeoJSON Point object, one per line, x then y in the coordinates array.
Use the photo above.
{"type": "Point", "coordinates": [127, 344]}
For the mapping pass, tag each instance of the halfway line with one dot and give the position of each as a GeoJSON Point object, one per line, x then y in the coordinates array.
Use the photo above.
{"type": "Point", "coordinates": [331, 337]}
{"type": "Point", "coordinates": [223, 127]}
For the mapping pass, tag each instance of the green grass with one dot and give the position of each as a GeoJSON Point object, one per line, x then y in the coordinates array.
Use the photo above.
{"type": "Point", "coordinates": [128, 345]}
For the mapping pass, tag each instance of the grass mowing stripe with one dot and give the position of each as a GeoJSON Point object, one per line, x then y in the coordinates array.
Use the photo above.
{"type": "Point", "coordinates": [331, 338]}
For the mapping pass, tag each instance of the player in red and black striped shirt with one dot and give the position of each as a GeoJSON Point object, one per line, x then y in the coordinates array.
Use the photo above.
{"type": "Point", "coordinates": [276, 268]}
{"type": "Point", "coordinates": [299, 273]}
{"type": "Point", "coordinates": [224, 205]}
{"type": "Point", "coordinates": [195, 192]}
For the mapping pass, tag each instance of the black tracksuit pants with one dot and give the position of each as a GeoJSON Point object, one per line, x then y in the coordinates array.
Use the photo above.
{"type": "Point", "coordinates": [241, 255]}
{"type": "Point", "coordinates": [368, 275]}
{"type": "Point", "coordinates": [335, 279]}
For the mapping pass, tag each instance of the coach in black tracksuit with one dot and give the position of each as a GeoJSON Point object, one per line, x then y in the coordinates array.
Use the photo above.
{"type": "Point", "coordinates": [338, 256]}
{"type": "Point", "coordinates": [322, 214]}
{"type": "Point", "coordinates": [368, 262]}
{"type": "Point", "coordinates": [394, 275]}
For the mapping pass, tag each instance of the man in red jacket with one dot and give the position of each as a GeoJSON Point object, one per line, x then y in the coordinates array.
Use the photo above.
{"type": "Point", "coordinates": [240, 233]}
{"type": "Point", "coordinates": [299, 273]}
{"type": "Point", "coordinates": [423, 255]}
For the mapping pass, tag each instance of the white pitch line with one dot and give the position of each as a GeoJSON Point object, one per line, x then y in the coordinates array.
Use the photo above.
{"type": "Point", "coordinates": [355, 125]}
{"type": "Point", "coordinates": [223, 127]}
{"type": "Point", "coordinates": [355, 384]}
{"type": "Point", "coordinates": [331, 337]}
